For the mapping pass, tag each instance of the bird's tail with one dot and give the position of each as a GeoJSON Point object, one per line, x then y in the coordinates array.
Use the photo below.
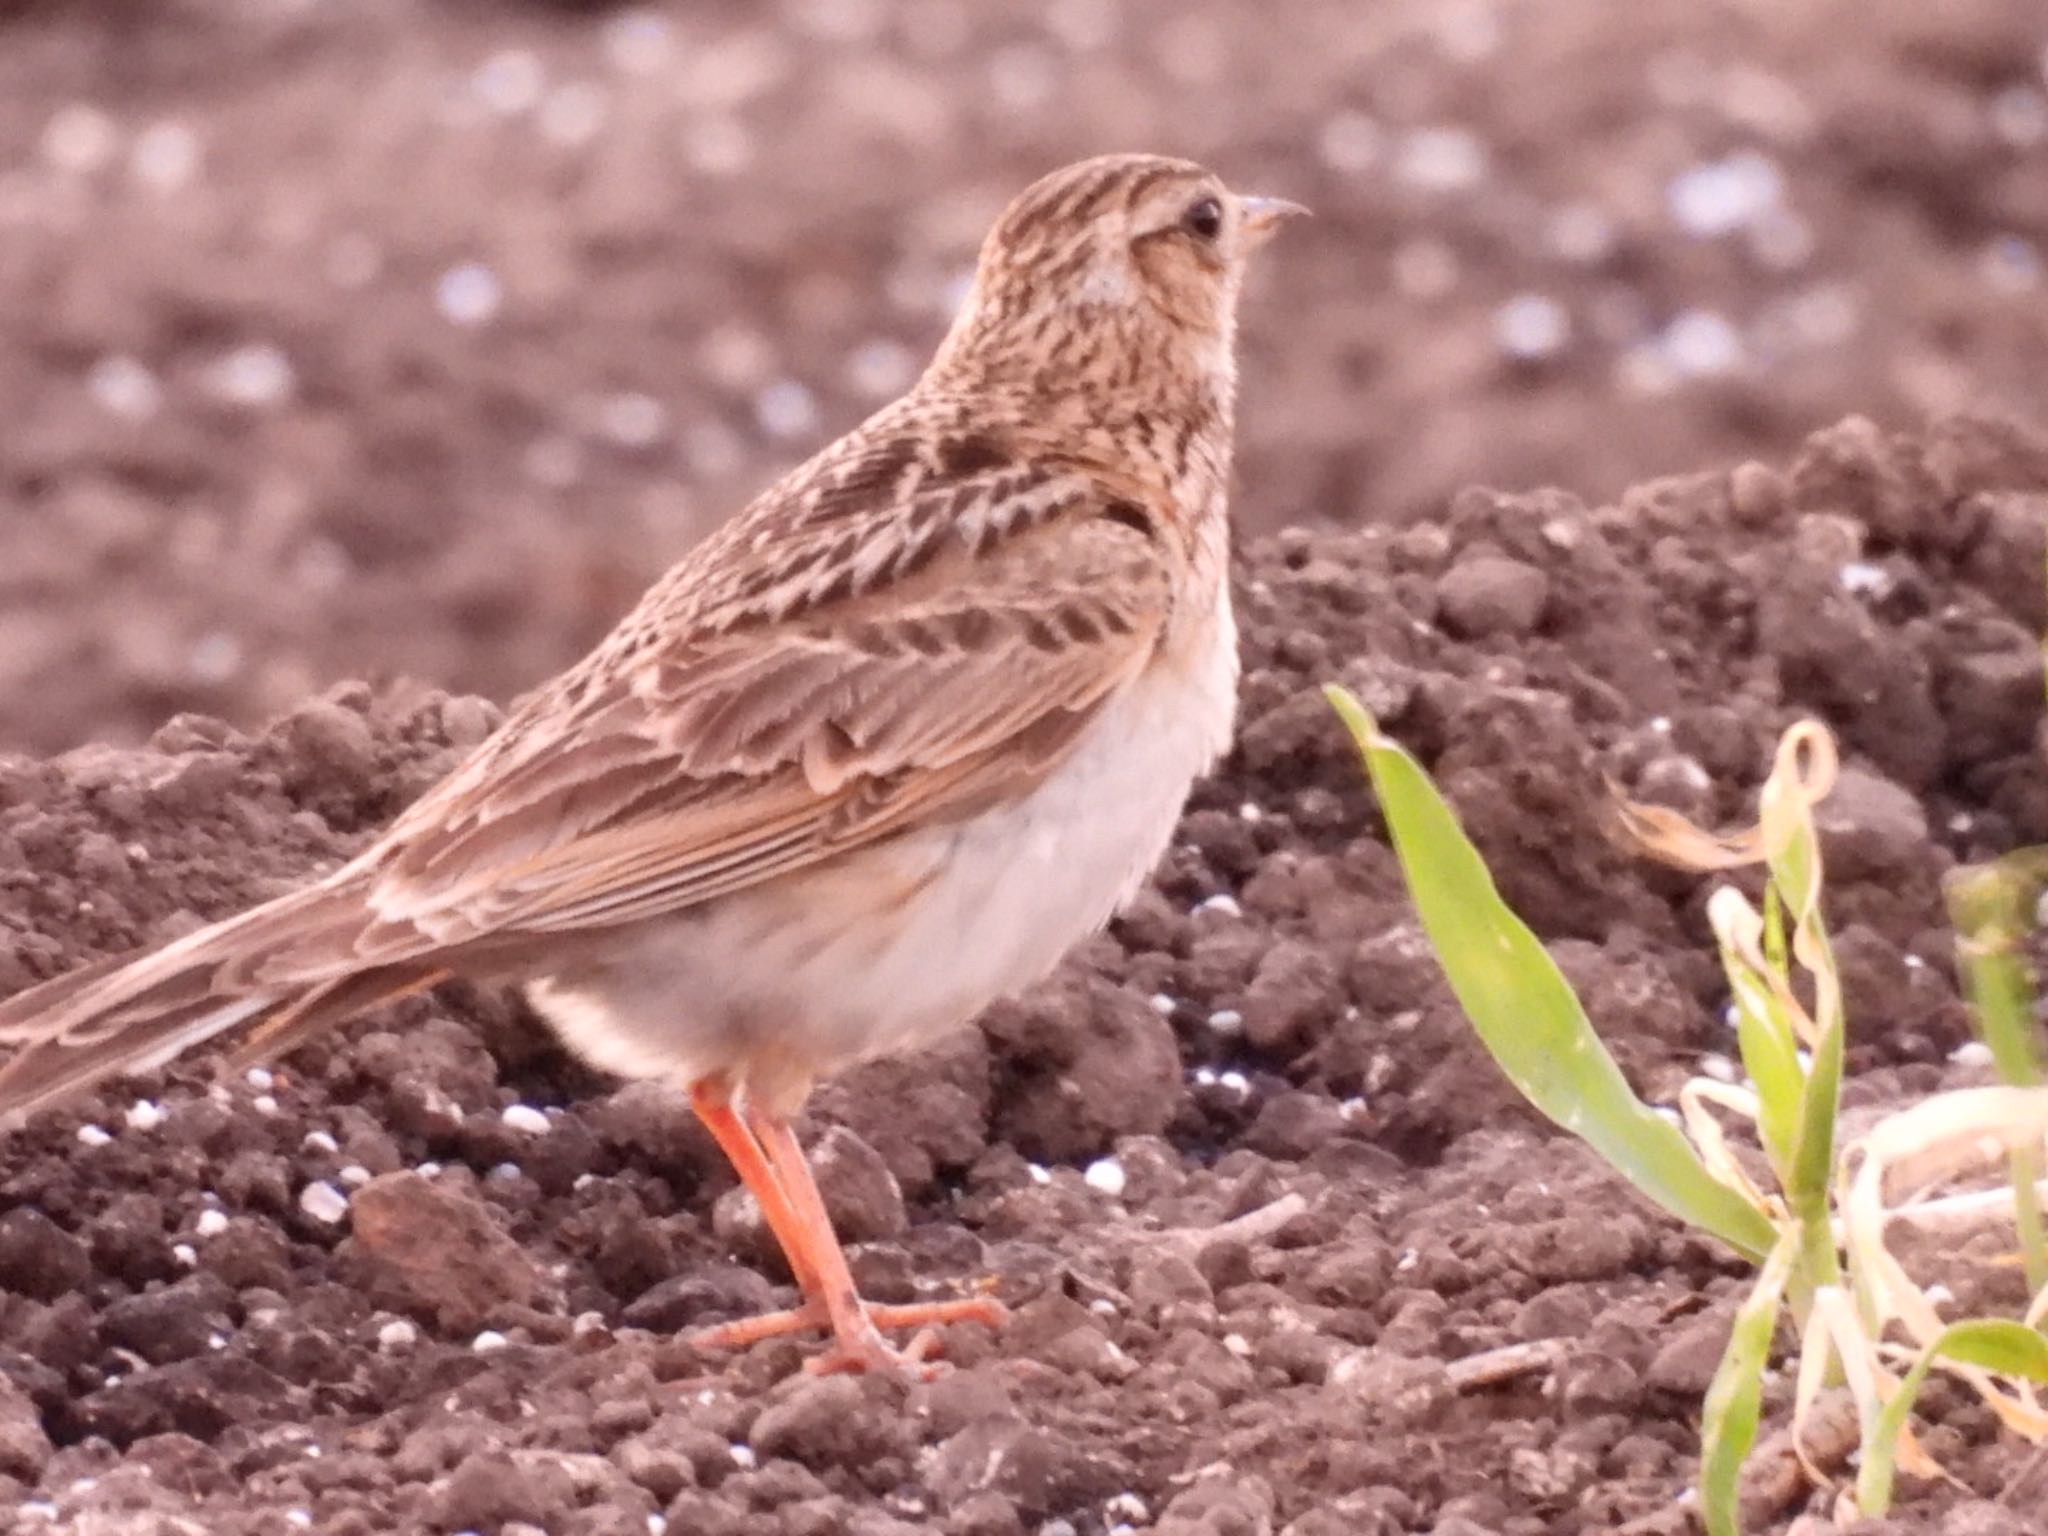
{"type": "Point", "coordinates": [282, 971]}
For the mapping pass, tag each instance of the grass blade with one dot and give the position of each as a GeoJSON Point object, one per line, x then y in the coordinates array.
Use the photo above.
{"type": "Point", "coordinates": [1524, 1010]}
{"type": "Point", "coordinates": [1992, 1344]}
{"type": "Point", "coordinates": [1728, 1419]}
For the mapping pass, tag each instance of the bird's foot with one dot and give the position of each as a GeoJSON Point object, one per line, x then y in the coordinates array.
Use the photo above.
{"type": "Point", "coordinates": [857, 1343]}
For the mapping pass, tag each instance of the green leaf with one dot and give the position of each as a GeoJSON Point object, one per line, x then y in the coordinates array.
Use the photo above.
{"type": "Point", "coordinates": [1728, 1418]}
{"type": "Point", "coordinates": [1994, 1344]}
{"type": "Point", "coordinates": [1524, 1010]}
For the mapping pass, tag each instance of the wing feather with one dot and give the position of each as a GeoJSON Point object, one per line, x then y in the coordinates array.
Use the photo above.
{"type": "Point", "coordinates": [732, 754]}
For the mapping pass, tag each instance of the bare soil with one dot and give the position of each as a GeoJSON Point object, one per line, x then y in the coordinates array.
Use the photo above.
{"type": "Point", "coordinates": [431, 1276]}
{"type": "Point", "coordinates": [383, 339]}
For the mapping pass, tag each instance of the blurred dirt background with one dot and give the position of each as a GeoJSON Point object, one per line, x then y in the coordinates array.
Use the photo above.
{"type": "Point", "coordinates": [380, 337]}
{"type": "Point", "coordinates": [350, 341]}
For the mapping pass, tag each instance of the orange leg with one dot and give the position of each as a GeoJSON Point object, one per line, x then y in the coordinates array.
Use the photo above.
{"type": "Point", "coordinates": [769, 1161]}
{"type": "Point", "coordinates": [713, 1104]}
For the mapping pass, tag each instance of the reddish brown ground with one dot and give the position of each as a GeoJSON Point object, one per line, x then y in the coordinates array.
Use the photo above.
{"type": "Point", "coordinates": [767, 203]}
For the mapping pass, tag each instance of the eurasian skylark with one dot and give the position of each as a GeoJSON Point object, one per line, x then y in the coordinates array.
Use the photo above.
{"type": "Point", "coordinates": [873, 755]}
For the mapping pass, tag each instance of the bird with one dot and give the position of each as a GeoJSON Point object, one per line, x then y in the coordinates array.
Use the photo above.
{"type": "Point", "coordinates": [874, 754]}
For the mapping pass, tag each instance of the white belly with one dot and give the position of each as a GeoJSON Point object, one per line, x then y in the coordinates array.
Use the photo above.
{"type": "Point", "coordinates": [810, 974]}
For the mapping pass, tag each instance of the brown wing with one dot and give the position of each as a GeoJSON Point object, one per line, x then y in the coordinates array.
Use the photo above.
{"type": "Point", "coordinates": [716, 745]}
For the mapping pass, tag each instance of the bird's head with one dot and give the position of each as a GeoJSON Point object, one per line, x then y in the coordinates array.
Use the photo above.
{"type": "Point", "coordinates": [1117, 261]}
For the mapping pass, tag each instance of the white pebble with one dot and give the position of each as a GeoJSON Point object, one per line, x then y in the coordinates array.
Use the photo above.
{"type": "Point", "coordinates": [1442, 159]}
{"type": "Point", "coordinates": [323, 1202]}
{"type": "Point", "coordinates": [1225, 905]}
{"type": "Point", "coordinates": [1237, 1344]}
{"type": "Point", "coordinates": [301, 1519]}
{"type": "Point", "coordinates": [263, 1104]}
{"type": "Point", "coordinates": [1861, 578]}
{"type": "Point", "coordinates": [397, 1334]}
{"type": "Point", "coordinates": [165, 157]}
{"type": "Point", "coordinates": [1163, 1005]}
{"type": "Point", "coordinates": [657, 1525]}
{"type": "Point", "coordinates": [1722, 196]}
{"type": "Point", "coordinates": [1127, 1506]}
{"type": "Point", "coordinates": [633, 420]}
{"type": "Point", "coordinates": [93, 1136]}
{"type": "Point", "coordinates": [1236, 1082]}
{"type": "Point", "coordinates": [1531, 326]}
{"type": "Point", "coordinates": [573, 113]}
{"type": "Point", "coordinates": [184, 1255]}
{"type": "Point", "coordinates": [79, 138]}
{"type": "Point", "coordinates": [786, 410]}
{"type": "Point", "coordinates": [510, 82]}
{"type": "Point", "coordinates": [211, 1223]}
{"type": "Point", "coordinates": [124, 387]}
{"type": "Point", "coordinates": [1039, 1173]}
{"type": "Point", "coordinates": [1226, 1021]}
{"type": "Point", "coordinates": [469, 294]}
{"type": "Point", "coordinates": [145, 1115]}
{"type": "Point", "coordinates": [1971, 1053]}
{"type": "Point", "coordinates": [1107, 1175]}
{"type": "Point", "coordinates": [261, 1080]}
{"type": "Point", "coordinates": [743, 1456]}
{"type": "Point", "coordinates": [320, 1141]}
{"type": "Point", "coordinates": [881, 368]}
{"type": "Point", "coordinates": [355, 1175]}
{"type": "Point", "coordinates": [488, 1340]}
{"type": "Point", "coordinates": [257, 374]}
{"type": "Point", "coordinates": [524, 1117]}
{"type": "Point", "coordinates": [1719, 1068]}
{"type": "Point", "coordinates": [1701, 344]}
{"type": "Point", "coordinates": [1250, 812]}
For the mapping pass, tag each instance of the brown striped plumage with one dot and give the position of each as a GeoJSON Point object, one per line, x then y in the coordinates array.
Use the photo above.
{"type": "Point", "coordinates": [873, 754]}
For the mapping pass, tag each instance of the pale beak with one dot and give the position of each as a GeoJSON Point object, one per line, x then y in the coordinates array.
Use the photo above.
{"type": "Point", "coordinates": [1263, 215]}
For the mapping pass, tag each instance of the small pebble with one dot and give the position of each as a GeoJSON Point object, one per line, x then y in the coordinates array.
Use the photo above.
{"type": "Point", "coordinates": [210, 1224]}
{"type": "Point", "coordinates": [320, 1141]}
{"type": "Point", "coordinates": [524, 1117]}
{"type": "Point", "coordinates": [1971, 1053]}
{"type": "Point", "coordinates": [184, 1255]}
{"type": "Point", "coordinates": [1107, 1175]}
{"type": "Point", "coordinates": [469, 294]}
{"type": "Point", "coordinates": [743, 1457]}
{"type": "Point", "coordinates": [261, 1079]}
{"type": "Point", "coordinates": [144, 1115]}
{"type": "Point", "coordinates": [488, 1340]}
{"type": "Point", "coordinates": [323, 1202]}
{"type": "Point", "coordinates": [397, 1334]}
{"type": "Point", "coordinates": [93, 1136]}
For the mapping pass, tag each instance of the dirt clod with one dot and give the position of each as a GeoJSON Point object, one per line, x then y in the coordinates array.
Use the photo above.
{"type": "Point", "coordinates": [437, 1250]}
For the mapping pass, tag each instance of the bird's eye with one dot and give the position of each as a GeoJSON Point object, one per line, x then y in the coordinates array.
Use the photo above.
{"type": "Point", "coordinates": [1203, 220]}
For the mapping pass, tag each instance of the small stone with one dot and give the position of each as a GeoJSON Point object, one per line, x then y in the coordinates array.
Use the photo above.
{"type": "Point", "coordinates": [323, 1202]}
{"type": "Point", "coordinates": [1870, 827]}
{"type": "Point", "coordinates": [1492, 595]}
{"type": "Point", "coordinates": [524, 1117]}
{"type": "Point", "coordinates": [430, 1246]}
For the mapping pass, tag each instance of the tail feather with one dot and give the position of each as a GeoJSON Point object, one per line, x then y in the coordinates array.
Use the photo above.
{"type": "Point", "coordinates": [289, 968]}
